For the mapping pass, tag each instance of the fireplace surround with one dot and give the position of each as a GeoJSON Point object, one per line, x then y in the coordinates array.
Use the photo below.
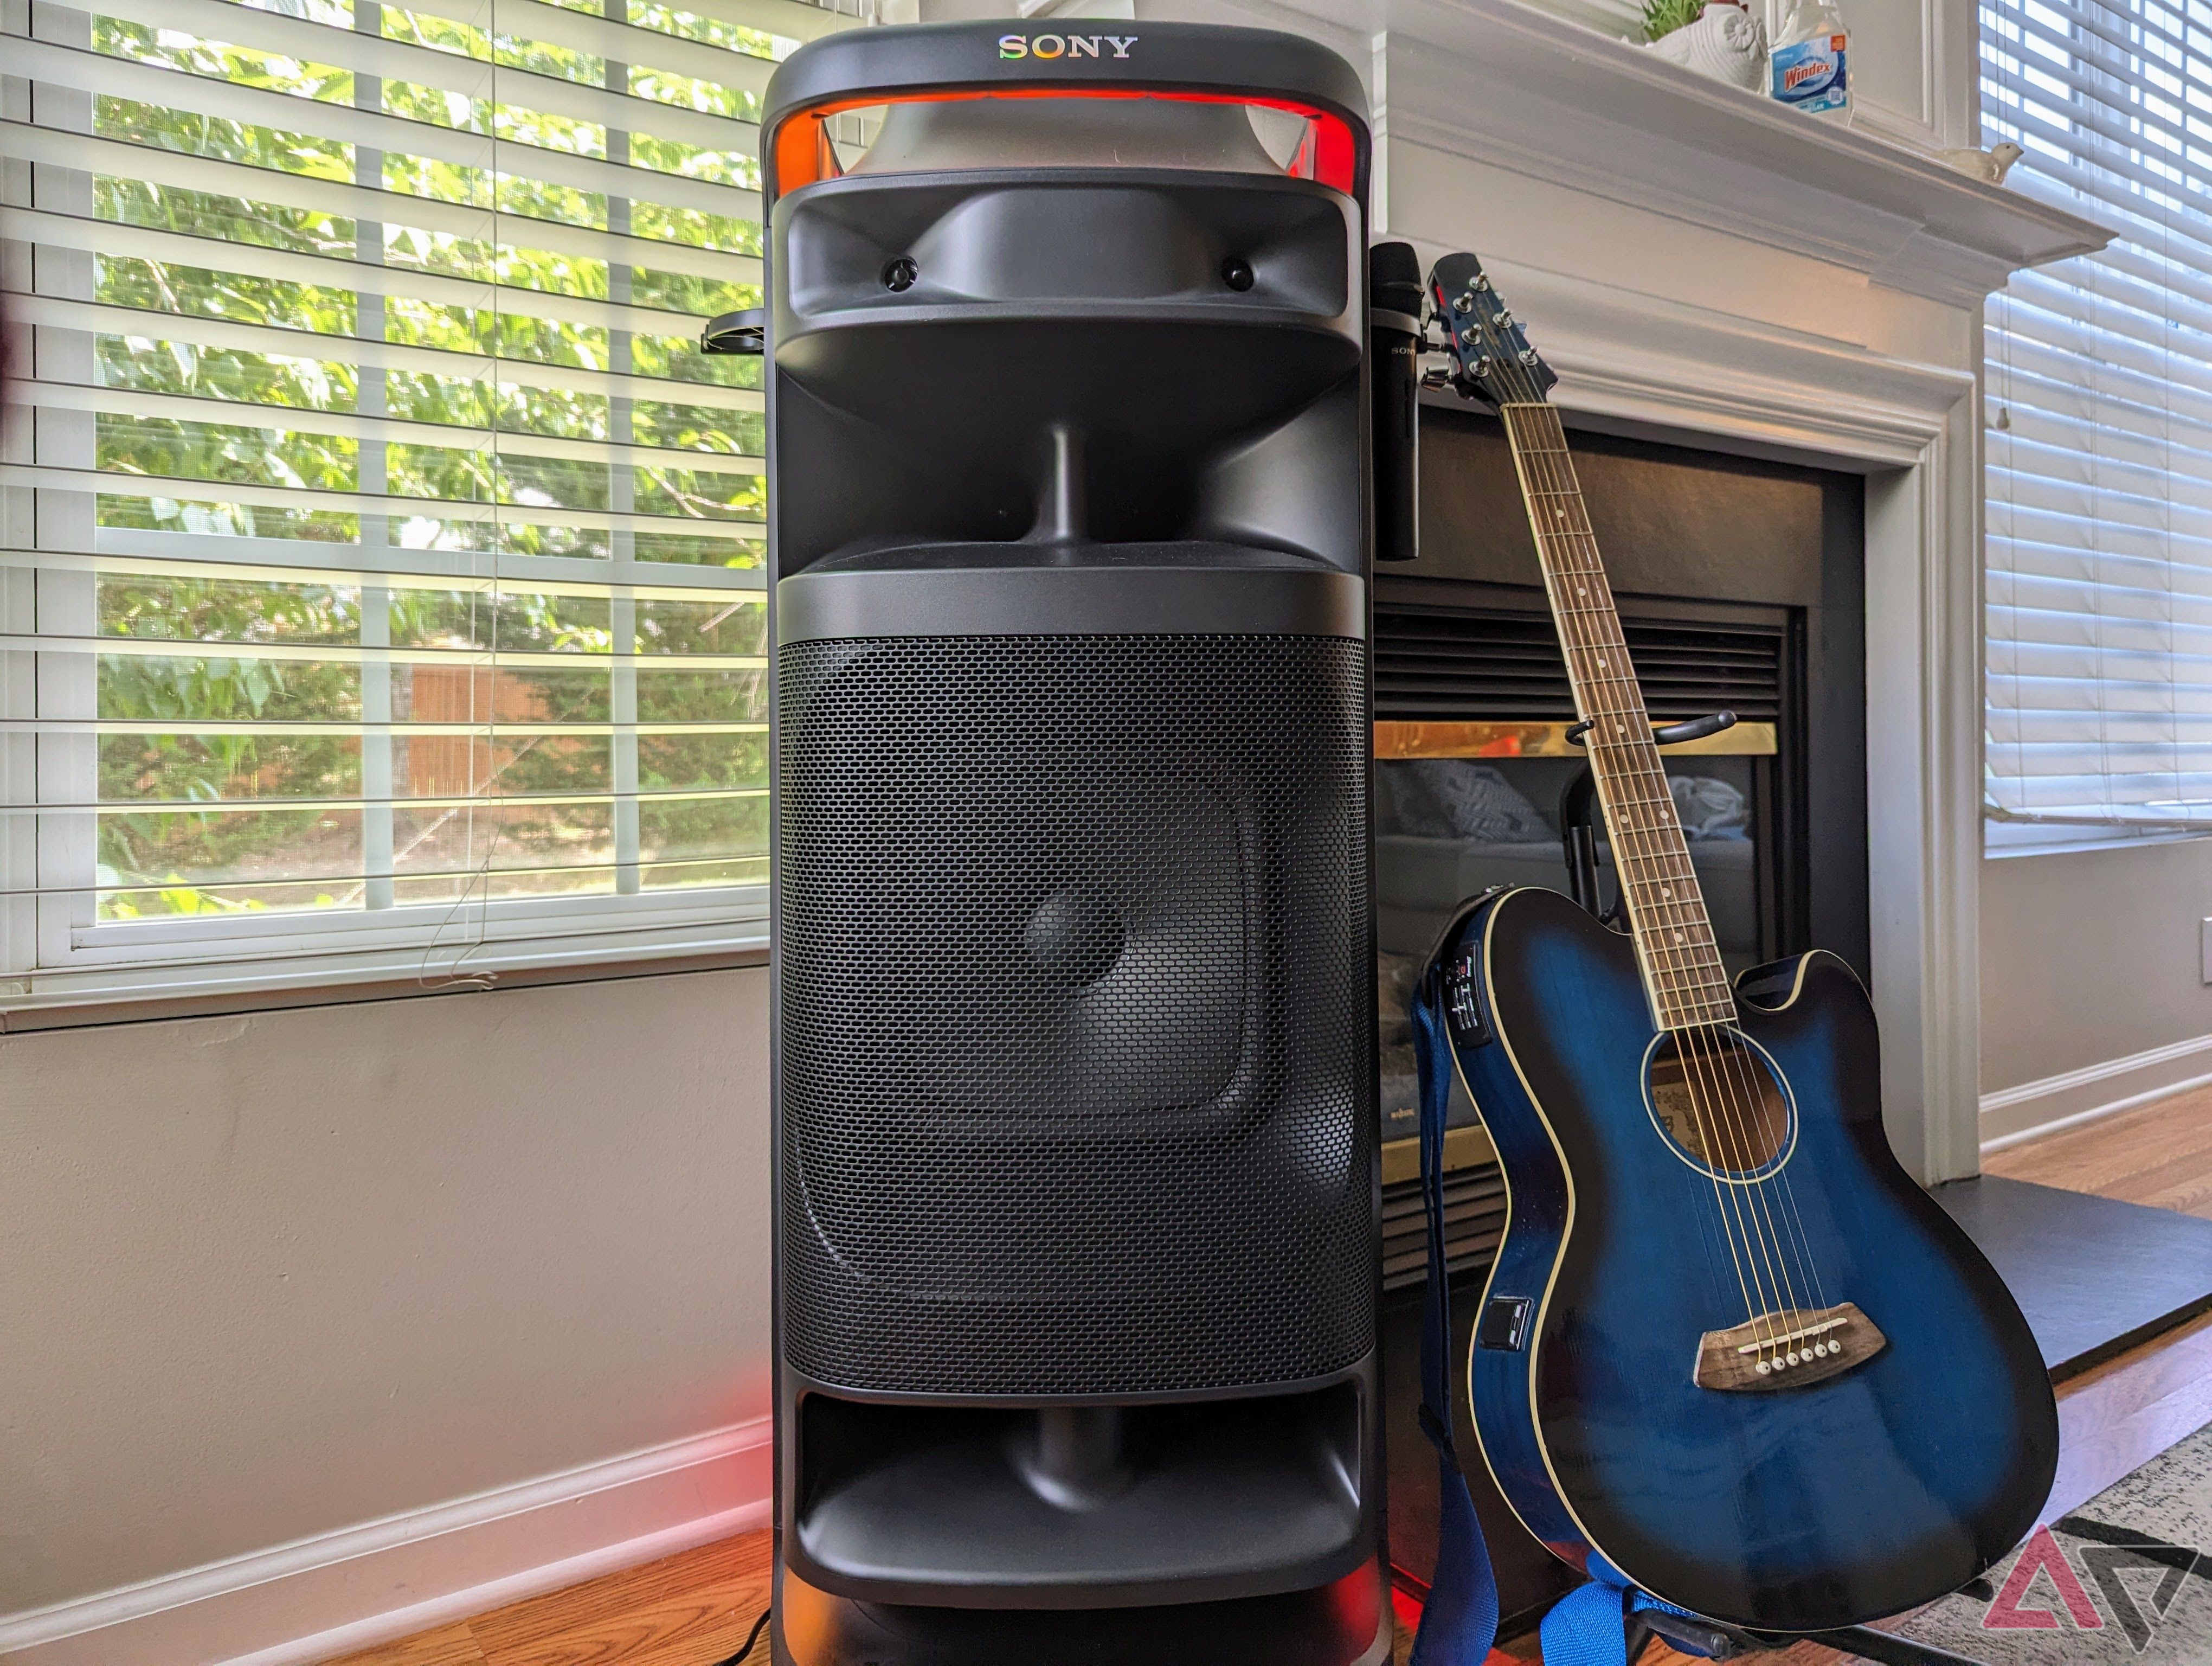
{"type": "Point", "coordinates": [1731, 286]}
{"type": "Point", "coordinates": [1708, 269]}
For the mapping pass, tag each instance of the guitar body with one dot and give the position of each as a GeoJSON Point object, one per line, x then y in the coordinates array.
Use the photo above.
{"type": "Point", "coordinates": [1804, 1504]}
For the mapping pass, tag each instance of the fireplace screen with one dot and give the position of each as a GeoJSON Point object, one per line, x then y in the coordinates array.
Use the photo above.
{"type": "Point", "coordinates": [1474, 766]}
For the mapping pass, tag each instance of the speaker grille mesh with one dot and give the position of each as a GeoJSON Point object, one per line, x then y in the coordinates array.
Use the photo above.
{"type": "Point", "coordinates": [1077, 1090]}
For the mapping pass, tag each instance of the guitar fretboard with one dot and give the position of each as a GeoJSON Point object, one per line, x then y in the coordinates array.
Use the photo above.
{"type": "Point", "coordinates": [1683, 974]}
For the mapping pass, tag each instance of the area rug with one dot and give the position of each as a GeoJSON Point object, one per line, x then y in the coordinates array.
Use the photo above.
{"type": "Point", "coordinates": [2126, 1580]}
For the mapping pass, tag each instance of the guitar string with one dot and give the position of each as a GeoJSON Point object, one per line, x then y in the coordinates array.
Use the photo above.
{"type": "Point", "coordinates": [1746, 1069]}
{"type": "Point", "coordinates": [1699, 1077]}
{"type": "Point", "coordinates": [1787, 1206]}
{"type": "Point", "coordinates": [1703, 1085]}
{"type": "Point", "coordinates": [1573, 622]}
{"type": "Point", "coordinates": [1728, 1214]}
{"type": "Point", "coordinates": [1750, 1078]}
{"type": "Point", "coordinates": [1716, 1067]}
{"type": "Point", "coordinates": [1725, 1051]}
{"type": "Point", "coordinates": [1711, 1102]}
{"type": "Point", "coordinates": [1725, 1062]}
{"type": "Point", "coordinates": [1569, 619]}
{"type": "Point", "coordinates": [1729, 1220]}
{"type": "Point", "coordinates": [1717, 1058]}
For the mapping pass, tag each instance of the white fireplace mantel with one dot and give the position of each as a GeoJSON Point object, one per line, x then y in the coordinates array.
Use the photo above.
{"type": "Point", "coordinates": [1515, 86]}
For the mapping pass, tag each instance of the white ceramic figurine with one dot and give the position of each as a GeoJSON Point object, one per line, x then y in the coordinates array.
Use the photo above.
{"type": "Point", "coordinates": [1726, 42]}
{"type": "Point", "coordinates": [1991, 165]}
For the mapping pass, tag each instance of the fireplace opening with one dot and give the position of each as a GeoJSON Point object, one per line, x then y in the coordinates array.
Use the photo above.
{"type": "Point", "coordinates": [1473, 765]}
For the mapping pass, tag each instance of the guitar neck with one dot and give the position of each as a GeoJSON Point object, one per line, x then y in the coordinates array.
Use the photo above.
{"type": "Point", "coordinates": [1683, 974]}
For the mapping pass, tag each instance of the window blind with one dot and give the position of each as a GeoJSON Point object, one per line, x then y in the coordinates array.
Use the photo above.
{"type": "Point", "coordinates": [382, 589]}
{"type": "Point", "coordinates": [2099, 400]}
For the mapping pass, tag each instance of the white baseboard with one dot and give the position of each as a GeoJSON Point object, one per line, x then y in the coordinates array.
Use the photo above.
{"type": "Point", "coordinates": [328, 1595]}
{"type": "Point", "coordinates": [2013, 1114]}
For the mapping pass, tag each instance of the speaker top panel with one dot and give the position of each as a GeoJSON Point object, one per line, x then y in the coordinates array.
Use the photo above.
{"type": "Point", "coordinates": [1076, 292]}
{"type": "Point", "coordinates": [1038, 96]}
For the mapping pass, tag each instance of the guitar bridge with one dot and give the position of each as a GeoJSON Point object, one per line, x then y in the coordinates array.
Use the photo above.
{"type": "Point", "coordinates": [1787, 1349]}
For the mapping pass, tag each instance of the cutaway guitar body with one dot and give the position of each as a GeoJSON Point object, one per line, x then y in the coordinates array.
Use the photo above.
{"type": "Point", "coordinates": [1834, 1499]}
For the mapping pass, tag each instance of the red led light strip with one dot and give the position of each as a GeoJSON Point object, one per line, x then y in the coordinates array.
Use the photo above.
{"type": "Point", "coordinates": [803, 153]}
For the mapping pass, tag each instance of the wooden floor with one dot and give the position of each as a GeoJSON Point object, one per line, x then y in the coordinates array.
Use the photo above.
{"type": "Point", "coordinates": [695, 1609]}
{"type": "Point", "coordinates": [2114, 1417]}
{"type": "Point", "coordinates": [2160, 1155]}
{"type": "Point", "coordinates": [687, 1610]}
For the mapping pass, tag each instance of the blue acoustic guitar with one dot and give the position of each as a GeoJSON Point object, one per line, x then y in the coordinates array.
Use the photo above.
{"type": "Point", "coordinates": [1729, 1347]}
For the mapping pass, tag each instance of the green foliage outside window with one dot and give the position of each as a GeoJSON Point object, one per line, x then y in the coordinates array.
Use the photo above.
{"type": "Point", "coordinates": [266, 420]}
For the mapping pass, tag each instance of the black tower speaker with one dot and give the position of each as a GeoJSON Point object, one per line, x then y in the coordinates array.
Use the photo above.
{"type": "Point", "coordinates": [1076, 1185]}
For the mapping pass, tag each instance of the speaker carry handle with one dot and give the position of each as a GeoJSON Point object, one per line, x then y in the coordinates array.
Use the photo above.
{"type": "Point", "coordinates": [743, 331]}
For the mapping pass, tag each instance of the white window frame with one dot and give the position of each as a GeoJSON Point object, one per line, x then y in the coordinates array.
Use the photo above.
{"type": "Point", "coordinates": [2058, 72]}
{"type": "Point", "coordinates": [53, 951]}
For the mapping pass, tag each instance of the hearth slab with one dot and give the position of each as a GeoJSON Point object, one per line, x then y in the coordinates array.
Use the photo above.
{"type": "Point", "coordinates": [2094, 1276]}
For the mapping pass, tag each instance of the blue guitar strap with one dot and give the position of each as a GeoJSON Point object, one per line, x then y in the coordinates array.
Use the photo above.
{"type": "Point", "coordinates": [1459, 1621]}
{"type": "Point", "coordinates": [1589, 1627]}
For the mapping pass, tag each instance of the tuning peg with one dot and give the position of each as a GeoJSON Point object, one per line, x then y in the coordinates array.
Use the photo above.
{"type": "Point", "coordinates": [1464, 303]}
{"type": "Point", "coordinates": [1528, 356]}
{"type": "Point", "coordinates": [1435, 377]}
{"type": "Point", "coordinates": [1483, 284]}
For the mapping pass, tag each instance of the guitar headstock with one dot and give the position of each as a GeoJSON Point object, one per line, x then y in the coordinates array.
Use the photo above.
{"type": "Point", "coordinates": [1491, 359]}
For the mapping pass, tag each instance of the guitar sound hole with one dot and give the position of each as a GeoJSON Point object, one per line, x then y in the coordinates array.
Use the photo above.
{"type": "Point", "coordinates": [1716, 1097]}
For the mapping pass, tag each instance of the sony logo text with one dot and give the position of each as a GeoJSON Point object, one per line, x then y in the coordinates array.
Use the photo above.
{"type": "Point", "coordinates": [1065, 46]}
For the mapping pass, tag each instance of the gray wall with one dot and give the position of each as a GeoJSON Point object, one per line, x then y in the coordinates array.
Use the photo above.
{"type": "Point", "coordinates": [265, 1277]}
{"type": "Point", "coordinates": [2090, 956]}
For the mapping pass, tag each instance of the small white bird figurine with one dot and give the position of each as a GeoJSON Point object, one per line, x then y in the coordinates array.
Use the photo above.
{"type": "Point", "coordinates": [1726, 42]}
{"type": "Point", "coordinates": [1991, 165]}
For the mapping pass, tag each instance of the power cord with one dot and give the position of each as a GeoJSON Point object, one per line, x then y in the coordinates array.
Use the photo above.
{"type": "Point", "coordinates": [751, 1638]}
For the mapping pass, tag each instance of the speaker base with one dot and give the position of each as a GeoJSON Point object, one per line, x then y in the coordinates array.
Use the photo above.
{"type": "Point", "coordinates": [1345, 1623]}
{"type": "Point", "coordinates": [1091, 1506]}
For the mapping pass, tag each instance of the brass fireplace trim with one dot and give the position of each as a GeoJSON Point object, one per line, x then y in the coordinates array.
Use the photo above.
{"type": "Point", "coordinates": [1396, 739]}
{"type": "Point", "coordinates": [1464, 1148]}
